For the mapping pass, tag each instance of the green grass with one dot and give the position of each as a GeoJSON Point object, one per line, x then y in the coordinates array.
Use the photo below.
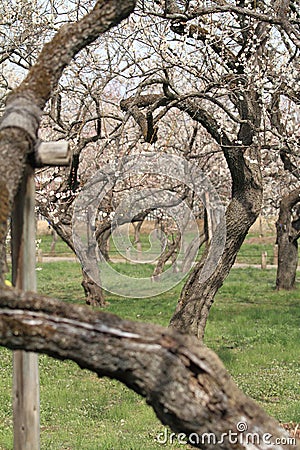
{"type": "Point", "coordinates": [256, 332]}
{"type": "Point", "coordinates": [61, 248]}
{"type": "Point", "coordinates": [252, 327]}
{"type": "Point", "coordinates": [61, 280]}
{"type": "Point", "coordinates": [249, 253]}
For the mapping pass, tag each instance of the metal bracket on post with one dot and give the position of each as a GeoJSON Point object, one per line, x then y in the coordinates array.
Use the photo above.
{"type": "Point", "coordinates": [26, 375]}
{"type": "Point", "coordinates": [52, 154]}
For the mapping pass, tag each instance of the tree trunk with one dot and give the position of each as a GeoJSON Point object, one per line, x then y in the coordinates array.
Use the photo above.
{"type": "Point", "coordinates": [244, 164]}
{"type": "Point", "coordinates": [243, 161]}
{"type": "Point", "coordinates": [287, 236]}
{"type": "Point", "coordinates": [103, 243]}
{"type": "Point", "coordinates": [193, 246]}
{"type": "Point", "coordinates": [243, 158]}
{"type": "Point", "coordinates": [137, 237]}
{"type": "Point", "coordinates": [169, 252]}
{"type": "Point", "coordinates": [185, 382]}
{"type": "Point", "coordinates": [197, 297]}
{"type": "Point", "coordinates": [93, 292]}
{"type": "Point", "coordinates": [12, 142]}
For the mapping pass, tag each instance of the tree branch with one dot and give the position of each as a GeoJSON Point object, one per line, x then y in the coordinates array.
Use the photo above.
{"type": "Point", "coordinates": [184, 382]}
{"type": "Point", "coordinates": [19, 125]}
{"type": "Point", "coordinates": [68, 41]}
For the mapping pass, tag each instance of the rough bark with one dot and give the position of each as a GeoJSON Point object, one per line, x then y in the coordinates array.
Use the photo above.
{"type": "Point", "coordinates": [14, 146]}
{"type": "Point", "coordinates": [93, 293]}
{"type": "Point", "coordinates": [244, 164]}
{"type": "Point", "coordinates": [145, 121]}
{"type": "Point", "coordinates": [184, 382]}
{"type": "Point", "coordinates": [169, 252]}
{"type": "Point", "coordinates": [288, 232]}
{"type": "Point", "coordinates": [197, 297]}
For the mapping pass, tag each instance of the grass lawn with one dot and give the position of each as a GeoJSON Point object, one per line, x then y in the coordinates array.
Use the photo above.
{"type": "Point", "coordinates": [252, 327]}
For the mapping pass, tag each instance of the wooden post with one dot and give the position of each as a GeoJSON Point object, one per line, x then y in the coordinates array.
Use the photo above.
{"type": "Point", "coordinates": [40, 255]}
{"type": "Point", "coordinates": [52, 154]}
{"type": "Point", "coordinates": [54, 241]}
{"type": "Point", "coordinates": [25, 365]}
{"type": "Point", "coordinates": [275, 255]}
{"type": "Point", "coordinates": [264, 260]}
{"type": "Point", "coordinates": [26, 401]}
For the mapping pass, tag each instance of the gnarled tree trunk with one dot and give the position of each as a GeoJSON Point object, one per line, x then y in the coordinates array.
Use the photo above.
{"type": "Point", "coordinates": [288, 232]}
{"type": "Point", "coordinates": [169, 252]}
{"type": "Point", "coordinates": [93, 292]}
{"type": "Point", "coordinates": [197, 297]}
{"type": "Point", "coordinates": [244, 164]}
{"type": "Point", "coordinates": [243, 158]}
